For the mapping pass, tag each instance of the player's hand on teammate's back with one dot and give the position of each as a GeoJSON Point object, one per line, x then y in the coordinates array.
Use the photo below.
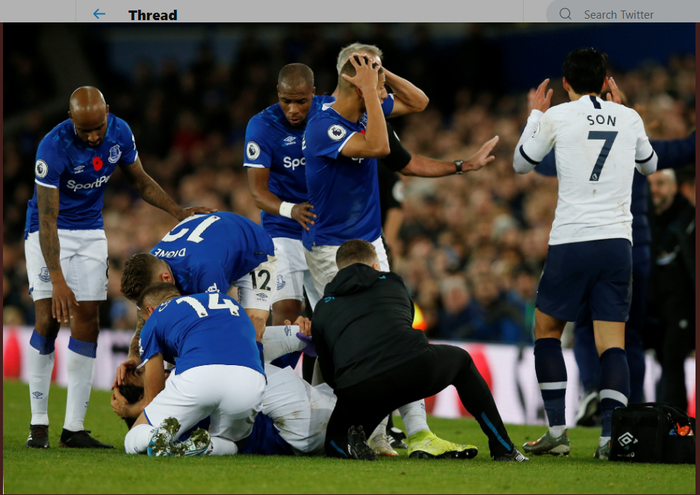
{"type": "Point", "coordinates": [194, 210]}
{"type": "Point", "coordinates": [540, 99]}
{"type": "Point", "coordinates": [123, 368]}
{"type": "Point", "coordinates": [483, 156]}
{"type": "Point", "coordinates": [304, 325]}
{"type": "Point", "coordinates": [302, 214]}
{"type": "Point", "coordinates": [62, 302]}
{"type": "Point", "coordinates": [367, 73]}
{"type": "Point", "coordinates": [259, 324]}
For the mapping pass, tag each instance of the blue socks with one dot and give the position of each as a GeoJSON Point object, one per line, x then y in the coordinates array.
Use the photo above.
{"type": "Point", "coordinates": [614, 384]}
{"type": "Point", "coordinates": [551, 375]}
{"type": "Point", "coordinates": [42, 344]}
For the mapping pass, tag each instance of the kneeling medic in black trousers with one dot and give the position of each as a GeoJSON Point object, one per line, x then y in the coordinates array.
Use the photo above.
{"type": "Point", "coordinates": [376, 361]}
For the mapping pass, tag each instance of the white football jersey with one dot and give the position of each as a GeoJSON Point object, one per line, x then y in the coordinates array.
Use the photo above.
{"type": "Point", "coordinates": [597, 145]}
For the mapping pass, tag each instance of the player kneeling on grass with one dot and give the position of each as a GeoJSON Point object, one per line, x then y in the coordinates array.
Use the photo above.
{"type": "Point", "coordinates": [376, 361]}
{"type": "Point", "coordinates": [219, 373]}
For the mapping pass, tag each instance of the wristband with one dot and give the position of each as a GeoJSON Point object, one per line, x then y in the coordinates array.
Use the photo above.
{"type": "Point", "coordinates": [286, 209]}
{"type": "Point", "coordinates": [458, 166]}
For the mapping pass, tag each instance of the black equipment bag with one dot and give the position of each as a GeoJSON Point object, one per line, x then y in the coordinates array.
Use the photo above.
{"type": "Point", "coordinates": [652, 432]}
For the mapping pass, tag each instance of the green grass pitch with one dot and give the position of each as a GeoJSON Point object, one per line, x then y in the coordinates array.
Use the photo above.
{"type": "Point", "coordinates": [77, 471]}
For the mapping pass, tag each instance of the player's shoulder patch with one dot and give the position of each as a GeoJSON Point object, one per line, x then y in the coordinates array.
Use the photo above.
{"type": "Point", "coordinates": [252, 150]}
{"type": "Point", "coordinates": [337, 132]}
{"type": "Point", "coordinates": [41, 169]}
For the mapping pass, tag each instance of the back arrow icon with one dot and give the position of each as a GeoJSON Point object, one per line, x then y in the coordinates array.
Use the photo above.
{"type": "Point", "coordinates": [97, 13]}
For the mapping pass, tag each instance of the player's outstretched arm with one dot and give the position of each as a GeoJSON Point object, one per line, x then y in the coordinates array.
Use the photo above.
{"type": "Point", "coordinates": [259, 185]}
{"type": "Point", "coordinates": [421, 166]}
{"type": "Point", "coordinates": [153, 194]}
{"type": "Point", "coordinates": [62, 298]}
{"type": "Point", "coordinates": [408, 98]}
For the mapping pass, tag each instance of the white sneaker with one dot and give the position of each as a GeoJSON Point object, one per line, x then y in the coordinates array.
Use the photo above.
{"type": "Point", "coordinates": [381, 446]}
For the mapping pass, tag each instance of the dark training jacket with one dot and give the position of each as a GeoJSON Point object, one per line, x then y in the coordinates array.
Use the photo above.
{"type": "Point", "coordinates": [363, 326]}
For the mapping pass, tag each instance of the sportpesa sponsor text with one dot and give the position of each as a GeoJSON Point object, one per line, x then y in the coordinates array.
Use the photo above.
{"type": "Point", "coordinates": [91, 185]}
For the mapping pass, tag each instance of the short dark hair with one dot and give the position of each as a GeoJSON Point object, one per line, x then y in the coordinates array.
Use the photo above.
{"type": "Point", "coordinates": [355, 251]}
{"type": "Point", "coordinates": [132, 393]}
{"type": "Point", "coordinates": [137, 274]}
{"type": "Point", "coordinates": [585, 70]}
{"type": "Point", "coordinates": [296, 76]}
{"type": "Point", "coordinates": [155, 294]}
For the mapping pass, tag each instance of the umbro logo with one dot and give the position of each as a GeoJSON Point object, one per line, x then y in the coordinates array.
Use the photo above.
{"type": "Point", "coordinates": [79, 169]}
{"type": "Point", "coordinates": [289, 140]}
{"type": "Point", "coordinates": [287, 330]}
{"type": "Point", "coordinates": [627, 439]}
{"type": "Point", "coordinates": [37, 395]}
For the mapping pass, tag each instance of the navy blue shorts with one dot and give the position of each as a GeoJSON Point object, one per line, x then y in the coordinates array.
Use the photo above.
{"type": "Point", "coordinates": [592, 276]}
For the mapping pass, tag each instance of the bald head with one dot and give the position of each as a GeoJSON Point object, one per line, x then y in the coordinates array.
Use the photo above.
{"type": "Point", "coordinates": [88, 112]}
{"type": "Point", "coordinates": [295, 76]}
{"type": "Point", "coordinates": [295, 89]}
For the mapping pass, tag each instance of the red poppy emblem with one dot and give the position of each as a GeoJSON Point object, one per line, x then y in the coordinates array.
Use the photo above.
{"type": "Point", "coordinates": [97, 163]}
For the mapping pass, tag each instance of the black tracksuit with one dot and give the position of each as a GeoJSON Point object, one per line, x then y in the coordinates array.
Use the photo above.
{"type": "Point", "coordinates": [671, 328]}
{"type": "Point", "coordinates": [376, 362]}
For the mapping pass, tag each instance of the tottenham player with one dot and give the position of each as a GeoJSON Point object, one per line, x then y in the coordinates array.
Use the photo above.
{"type": "Point", "coordinates": [589, 263]}
{"type": "Point", "coordinates": [205, 253]}
{"type": "Point", "coordinates": [66, 251]}
{"type": "Point", "coordinates": [219, 373]}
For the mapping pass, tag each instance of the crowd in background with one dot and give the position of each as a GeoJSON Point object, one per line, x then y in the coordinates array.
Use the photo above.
{"type": "Point", "coordinates": [471, 247]}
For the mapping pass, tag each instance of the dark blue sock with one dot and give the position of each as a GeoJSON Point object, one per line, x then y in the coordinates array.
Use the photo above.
{"type": "Point", "coordinates": [41, 343]}
{"type": "Point", "coordinates": [551, 375]}
{"type": "Point", "coordinates": [87, 349]}
{"type": "Point", "coordinates": [614, 384]}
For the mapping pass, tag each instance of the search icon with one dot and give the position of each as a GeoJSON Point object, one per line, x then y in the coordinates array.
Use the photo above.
{"type": "Point", "coordinates": [565, 13]}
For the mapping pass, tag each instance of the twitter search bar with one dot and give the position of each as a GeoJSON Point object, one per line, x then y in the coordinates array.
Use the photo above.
{"type": "Point", "coordinates": [622, 11]}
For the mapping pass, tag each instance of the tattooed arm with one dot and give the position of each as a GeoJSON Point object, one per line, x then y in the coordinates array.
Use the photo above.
{"type": "Point", "coordinates": [153, 194]}
{"type": "Point", "coordinates": [134, 358]}
{"type": "Point", "coordinates": [62, 298]}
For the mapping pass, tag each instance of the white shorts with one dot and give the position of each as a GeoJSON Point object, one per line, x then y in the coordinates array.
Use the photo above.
{"type": "Point", "coordinates": [299, 411]}
{"type": "Point", "coordinates": [293, 275]}
{"type": "Point", "coordinates": [257, 288]}
{"type": "Point", "coordinates": [321, 262]}
{"type": "Point", "coordinates": [231, 395]}
{"type": "Point", "coordinates": [83, 261]}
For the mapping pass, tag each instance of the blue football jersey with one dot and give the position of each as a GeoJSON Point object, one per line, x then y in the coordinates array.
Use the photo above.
{"type": "Point", "coordinates": [80, 172]}
{"type": "Point", "coordinates": [207, 253]}
{"type": "Point", "coordinates": [344, 191]}
{"type": "Point", "coordinates": [271, 142]}
{"type": "Point", "coordinates": [200, 330]}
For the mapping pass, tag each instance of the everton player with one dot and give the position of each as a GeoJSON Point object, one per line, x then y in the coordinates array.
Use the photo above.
{"type": "Point", "coordinates": [205, 253]}
{"type": "Point", "coordinates": [277, 180]}
{"type": "Point", "coordinates": [589, 261]}
{"type": "Point", "coordinates": [219, 373]}
{"type": "Point", "coordinates": [66, 251]}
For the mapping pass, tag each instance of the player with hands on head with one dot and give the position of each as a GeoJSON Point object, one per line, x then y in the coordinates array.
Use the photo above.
{"type": "Point", "coordinates": [589, 261]}
{"type": "Point", "coordinates": [66, 250]}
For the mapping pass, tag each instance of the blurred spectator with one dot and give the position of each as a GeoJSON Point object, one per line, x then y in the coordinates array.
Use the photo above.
{"type": "Point", "coordinates": [488, 230]}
